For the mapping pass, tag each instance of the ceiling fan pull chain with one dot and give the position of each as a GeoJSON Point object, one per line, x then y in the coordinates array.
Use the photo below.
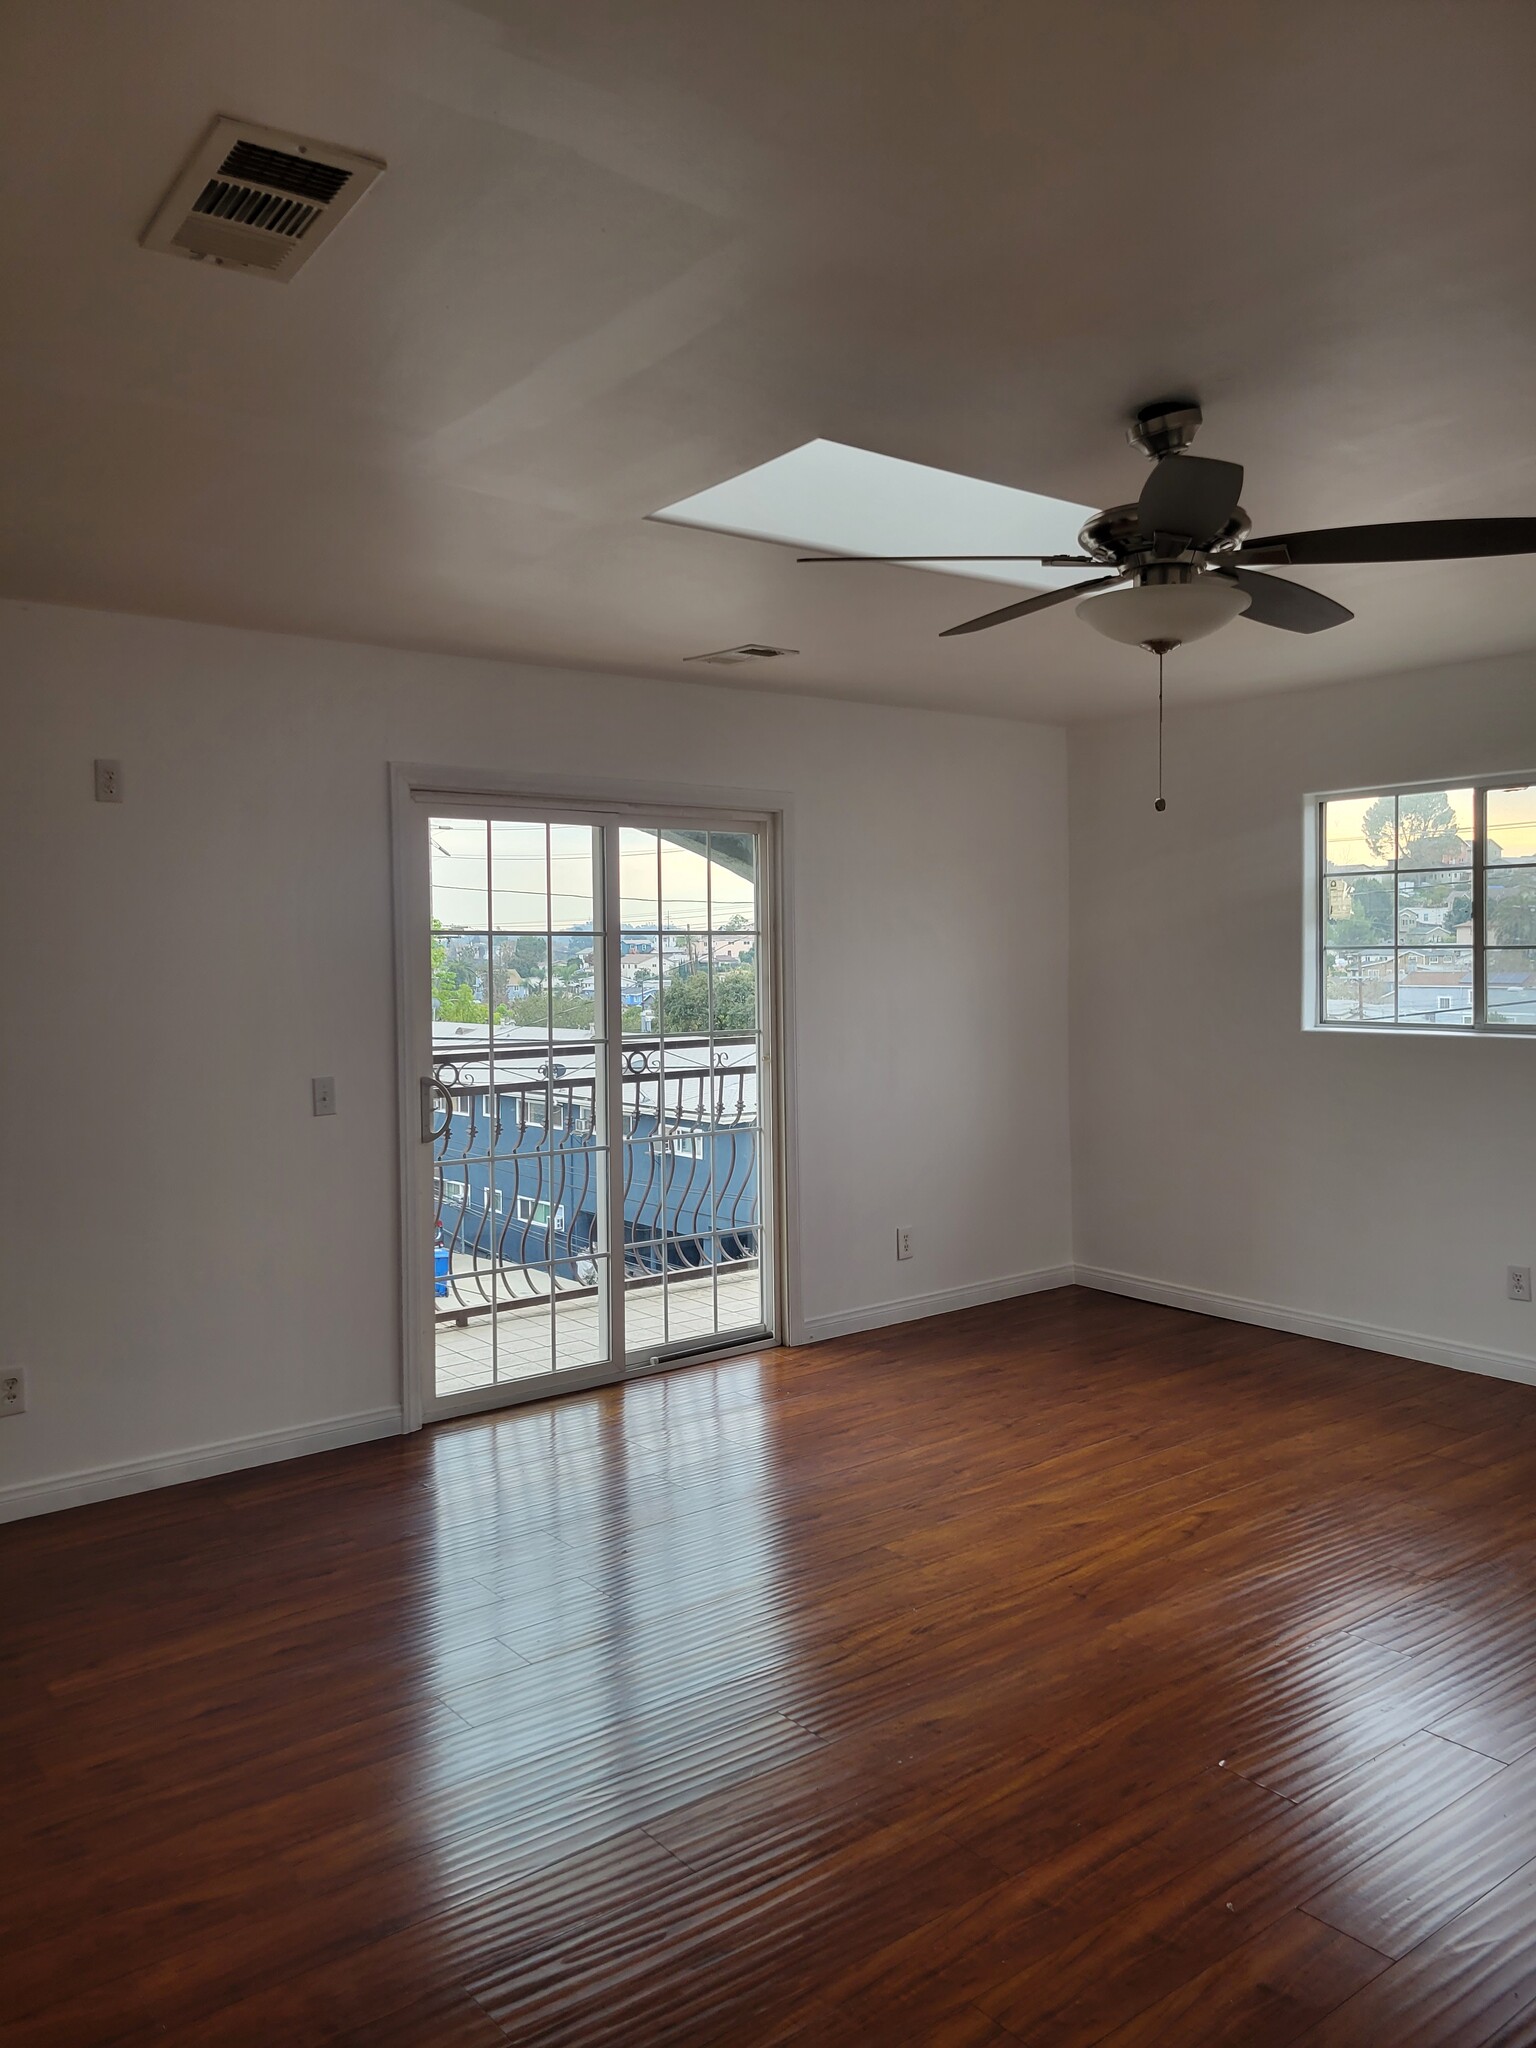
{"type": "Point", "coordinates": [1160, 805]}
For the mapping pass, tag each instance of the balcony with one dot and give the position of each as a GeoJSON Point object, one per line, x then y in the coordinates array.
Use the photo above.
{"type": "Point", "coordinates": [519, 1223]}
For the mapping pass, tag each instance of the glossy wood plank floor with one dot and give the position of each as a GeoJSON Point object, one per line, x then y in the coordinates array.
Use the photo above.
{"type": "Point", "coordinates": [1062, 1672]}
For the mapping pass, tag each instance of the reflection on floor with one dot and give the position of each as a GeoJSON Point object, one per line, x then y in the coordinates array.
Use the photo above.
{"type": "Point", "coordinates": [1065, 1671]}
{"type": "Point", "coordinates": [524, 1346]}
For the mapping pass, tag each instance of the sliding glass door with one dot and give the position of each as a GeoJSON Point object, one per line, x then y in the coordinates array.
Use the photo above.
{"type": "Point", "coordinates": [594, 1115]}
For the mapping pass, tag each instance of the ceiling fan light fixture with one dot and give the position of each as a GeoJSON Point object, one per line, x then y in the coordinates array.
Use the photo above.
{"type": "Point", "coordinates": [1173, 612]}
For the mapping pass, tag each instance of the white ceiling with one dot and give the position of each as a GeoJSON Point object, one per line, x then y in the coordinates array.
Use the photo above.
{"type": "Point", "coordinates": [628, 248]}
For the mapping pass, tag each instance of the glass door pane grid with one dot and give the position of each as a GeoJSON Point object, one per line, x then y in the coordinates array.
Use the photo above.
{"type": "Point", "coordinates": [662, 924]}
{"type": "Point", "coordinates": [678, 1113]}
{"type": "Point", "coordinates": [684, 1088]}
{"type": "Point", "coordinates": [528, 1163]}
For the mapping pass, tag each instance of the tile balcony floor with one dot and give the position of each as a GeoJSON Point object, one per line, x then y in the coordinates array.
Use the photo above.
{"type": "Point", "coordinates": [468, 1360]}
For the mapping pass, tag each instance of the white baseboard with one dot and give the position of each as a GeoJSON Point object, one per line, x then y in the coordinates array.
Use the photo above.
{"type": "Point", "coordinates": [140, 1475]}
{"type": "Point", "coordinates": [108, 1482]}
{"type": "Point", "coordinates": [942, 1302]}
{"type": "Point", "coordinates": [1500, 1365]}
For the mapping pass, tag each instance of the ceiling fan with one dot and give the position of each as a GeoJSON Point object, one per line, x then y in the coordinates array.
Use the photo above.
{"type": "Point", "coordinates": [1180, 561]}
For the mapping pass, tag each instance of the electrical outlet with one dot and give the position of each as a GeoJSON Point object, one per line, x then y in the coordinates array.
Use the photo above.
{"type": "Point", "coordinates": [109, 782]}
{"type": "Point", "coordinates": [1519, 1283]}
{"type": "Point", "coordinates": [903, 1244]}
{"type": "Point", "coordinates": [322, 1095]}
{"type": "Point", "coordinates": [13, 1393]}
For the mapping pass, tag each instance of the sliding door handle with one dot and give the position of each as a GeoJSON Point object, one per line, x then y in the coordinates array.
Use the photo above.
{"type": "Point", "coordinates": [431, 1129]}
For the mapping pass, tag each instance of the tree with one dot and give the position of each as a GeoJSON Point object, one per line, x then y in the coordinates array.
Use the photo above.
{"type": "Point", "coordinates": [530, 960]}
{"type": "Point", "coordinates": [1359, 910]}
{"type": "Point", "coordinates": [566, 1012]}
{"type": "Point", "coordinates": [685, 1005]}
{"type": "Point", "coordinates": [458, 1004]}
{"type": "Point", "coordinates": [736, 1000]}
{"type": "Point", "coordinates": [454, 1000]}
{"type": "Point", "coordinates": [1422, 833]}
{"type": "Point", "coordinates": [1512, 907]}
{"type": "Point", "coordinates": [1358, 928]}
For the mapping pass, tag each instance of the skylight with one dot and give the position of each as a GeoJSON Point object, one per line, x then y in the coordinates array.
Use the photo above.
{"type": "Point", "coordinates": [849, 501]}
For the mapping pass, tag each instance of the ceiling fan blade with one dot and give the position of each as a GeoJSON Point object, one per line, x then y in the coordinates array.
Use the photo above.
{"type": "Point", "coordinates": [1404, 540]}
{"type": "Point", "coordinates": [1276, 601]}
{"type": "Point", "coordinates": [1190, 496]}
{"type": "Point", "coordinates": [1049, 561]}
{"type": "Point", "coordinates": [1030, 604]}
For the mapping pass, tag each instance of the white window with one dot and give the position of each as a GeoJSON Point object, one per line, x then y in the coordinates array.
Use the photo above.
{"type": "Point", "coordinates": [537, 1212]}
{"type": "Point", "coordinates": [1427, 908]}
{"type": "Point", "coordinates": [453, 1191]}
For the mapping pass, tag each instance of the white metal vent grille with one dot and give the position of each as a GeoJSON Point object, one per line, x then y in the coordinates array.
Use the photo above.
{"type": "Point", "coordinates": [750, 650]}
{"type": "Point", "coordinates": [258, 200]}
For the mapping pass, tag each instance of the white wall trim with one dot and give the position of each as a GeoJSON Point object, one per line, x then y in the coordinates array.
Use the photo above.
{"type": "Point", "coordinates": [1232, 1308]}
{"type": "Point", "coordinates": [606, 800]}
{"type": "Point", "coordinates": [942, 1302]}
{"type": "Point", "coordinates": [172, 1468]}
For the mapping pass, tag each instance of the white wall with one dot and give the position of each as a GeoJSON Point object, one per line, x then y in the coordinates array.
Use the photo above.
{"type": "Point", "coordinates": [188, 1258]}
{"type": "Point", "coordinates": [1218, 1148]}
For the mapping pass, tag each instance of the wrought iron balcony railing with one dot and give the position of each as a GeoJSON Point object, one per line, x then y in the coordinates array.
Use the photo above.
{"type": "Point", "coordinates": [519, 1176]}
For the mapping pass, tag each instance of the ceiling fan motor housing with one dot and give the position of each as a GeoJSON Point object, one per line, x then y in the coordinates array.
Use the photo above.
{"type": "Point", "coordinates": [1165, 426]}
{"type": "Point", "coordinates": [1114, 536]}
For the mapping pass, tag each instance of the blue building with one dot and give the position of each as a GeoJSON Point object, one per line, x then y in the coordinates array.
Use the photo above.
{"type": "Point", "coordinates": [519, 1175]}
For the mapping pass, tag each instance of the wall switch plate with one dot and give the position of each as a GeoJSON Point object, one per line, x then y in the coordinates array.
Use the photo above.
{"type": "Point", "coordinates": [109, 782]}
{"type": "Point", "coordinates": [1519, 1283]}
{"type": "Point", "coordinates": [903, 1244]}
{"type": "Point", "coordinates": [322, 1093]}
{"type": "Point", "coordinates": [13, 1393]}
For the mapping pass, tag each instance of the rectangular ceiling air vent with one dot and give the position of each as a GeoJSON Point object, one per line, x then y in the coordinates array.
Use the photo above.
{"type": "Point", "coordinates": [258, 200]}
{"type": "Point", "coordinates": [750, 650]}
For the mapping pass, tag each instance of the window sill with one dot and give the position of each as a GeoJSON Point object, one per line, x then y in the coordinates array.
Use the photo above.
{"type": "Point", "coordinates": [1516, 1032]}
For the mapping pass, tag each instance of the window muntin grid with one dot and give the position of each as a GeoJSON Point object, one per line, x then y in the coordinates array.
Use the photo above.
{"type": "Point", "coordinates": [1426, 909]}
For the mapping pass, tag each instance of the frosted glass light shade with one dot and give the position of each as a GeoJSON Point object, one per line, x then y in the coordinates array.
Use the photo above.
{"type": "Point", "coordinates": [1177, 612]}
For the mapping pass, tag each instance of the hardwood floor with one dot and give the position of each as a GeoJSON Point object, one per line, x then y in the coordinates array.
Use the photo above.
{"type": "Point", "coordinates": [1062, 1672]}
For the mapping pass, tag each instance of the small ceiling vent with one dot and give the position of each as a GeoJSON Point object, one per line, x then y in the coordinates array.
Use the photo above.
{"type": "Point", "coordinates": [750, 650]}
{"type": "Point", "coordinates": [257, 200]}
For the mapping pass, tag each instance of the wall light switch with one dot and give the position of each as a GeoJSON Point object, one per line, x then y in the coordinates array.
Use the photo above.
{"type": "Point", "coordinates": [323, 1095]}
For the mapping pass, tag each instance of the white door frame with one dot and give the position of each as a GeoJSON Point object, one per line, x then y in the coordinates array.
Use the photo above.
{"type": "Point", "coordinates": [597, 800]}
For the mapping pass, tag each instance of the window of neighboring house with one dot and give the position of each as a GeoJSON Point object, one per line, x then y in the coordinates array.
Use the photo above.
{"type": "Point", "coordinates": [453, 1191]}
{"type": "Point", "coordinates": [1427, 908]}
{"type": "Point", "coordinates": [531, 1211]}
